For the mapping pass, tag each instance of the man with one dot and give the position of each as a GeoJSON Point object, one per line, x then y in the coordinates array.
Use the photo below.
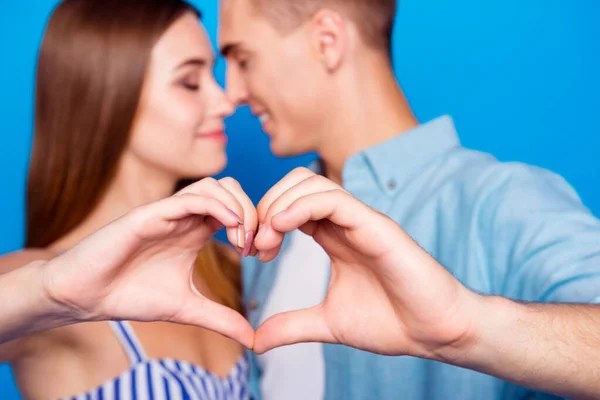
{"type": "Point", "coordinates": [318, 75]}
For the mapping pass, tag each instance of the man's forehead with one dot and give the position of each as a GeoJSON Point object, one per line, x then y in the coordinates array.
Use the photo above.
{"type": "Point", "coordinates": [234, 22]}
{"type": "Point", "coordinates": [228, 16]}
{"type": "Point", "coordinates": [234, 11]}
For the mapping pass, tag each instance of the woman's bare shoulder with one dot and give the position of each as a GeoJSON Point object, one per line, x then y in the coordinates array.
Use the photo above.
{"type": "Point", "coordinates": [17, 259]}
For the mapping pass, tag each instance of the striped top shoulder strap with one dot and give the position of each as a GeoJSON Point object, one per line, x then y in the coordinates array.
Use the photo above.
{"type": "Point", "coordinates": [129, 341]}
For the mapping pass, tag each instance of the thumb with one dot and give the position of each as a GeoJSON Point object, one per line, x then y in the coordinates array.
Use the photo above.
{"type": "Point", "coordinates": [308, 325]}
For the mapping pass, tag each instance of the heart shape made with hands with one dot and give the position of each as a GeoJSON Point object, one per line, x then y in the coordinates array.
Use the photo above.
{"type": "Point", "coordinates": [386, 294]}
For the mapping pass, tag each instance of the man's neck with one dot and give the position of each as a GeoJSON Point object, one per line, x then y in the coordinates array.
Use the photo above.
{"type": "Point", "coordinates": [372, 111]}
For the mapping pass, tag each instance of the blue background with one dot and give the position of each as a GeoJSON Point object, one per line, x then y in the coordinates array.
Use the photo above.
{"type": "Point", "coordinates": [520, 79]}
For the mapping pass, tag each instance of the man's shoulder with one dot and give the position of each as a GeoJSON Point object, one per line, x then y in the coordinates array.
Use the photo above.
{"type": "Point", "coordinates": [471, 185]}
{"type": "Point", "coordinates": [482, 172]}
{"type": "Point", "coordinates": [519, 182]}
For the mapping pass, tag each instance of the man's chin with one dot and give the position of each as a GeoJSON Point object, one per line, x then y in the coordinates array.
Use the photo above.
{"type": "Point", "coordinates": [283, 151]}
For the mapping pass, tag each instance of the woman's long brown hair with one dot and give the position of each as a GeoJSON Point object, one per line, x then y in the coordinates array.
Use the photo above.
{"type": "Point", "coordinates": [90, 73]}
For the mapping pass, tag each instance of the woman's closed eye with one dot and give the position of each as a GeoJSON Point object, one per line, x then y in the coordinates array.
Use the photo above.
{"type": "Point", "coordinates": [190, 81]}
{"type": "Point", "coordinates": [192, 86]}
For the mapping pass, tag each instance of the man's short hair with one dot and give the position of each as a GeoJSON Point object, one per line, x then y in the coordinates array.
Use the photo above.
{"type": "Point", "coordinates": [374, 18]}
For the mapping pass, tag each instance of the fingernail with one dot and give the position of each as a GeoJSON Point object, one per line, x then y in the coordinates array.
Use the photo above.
{"type": "Point", "coordinates": [240, 236]}
{"type": "Point", "coordinates": [248, 244]}
{"type": "Point", "coordinates": [236, 216]}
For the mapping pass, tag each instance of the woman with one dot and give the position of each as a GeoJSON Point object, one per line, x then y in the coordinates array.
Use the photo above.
{"type": "Point", "coordinates": [126, 107]}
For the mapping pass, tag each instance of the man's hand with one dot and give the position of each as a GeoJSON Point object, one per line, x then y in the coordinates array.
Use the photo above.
{"type": "Point", "coordinates": [386, 294]}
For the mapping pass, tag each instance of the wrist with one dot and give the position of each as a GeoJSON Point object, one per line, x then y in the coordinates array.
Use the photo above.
{"type": "Point", "coordinates": [491, 318]}
{"type": "Point", "coordinates": [28, 306]}
{"type": "Point", "coordinates": [54, 300]}
{"type": "Point", "coordinates": [468, 333]}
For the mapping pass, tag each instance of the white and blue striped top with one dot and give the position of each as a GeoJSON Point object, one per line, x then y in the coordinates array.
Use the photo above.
{"type": "Point", "coordinates": [158, 379]}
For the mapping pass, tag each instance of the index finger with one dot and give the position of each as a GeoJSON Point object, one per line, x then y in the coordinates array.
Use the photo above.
{"type": "Point", "coordinates": [287, 182]}
{"type": "Point", "coordinates": [249, 215]}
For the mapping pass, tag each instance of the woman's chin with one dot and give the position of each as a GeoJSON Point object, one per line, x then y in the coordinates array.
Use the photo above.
{"type": "Point", "coordinates": [211, 167]}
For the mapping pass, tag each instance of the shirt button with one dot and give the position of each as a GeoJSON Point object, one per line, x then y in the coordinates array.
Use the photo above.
{"type": "Point", "coordinates": [253, 305]}
{"type": "Point", "coordinates": [391, 184]}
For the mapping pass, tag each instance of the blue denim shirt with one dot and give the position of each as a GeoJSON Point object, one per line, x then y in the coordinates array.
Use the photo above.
{"type": "Point", "coordinates": [505, 229]}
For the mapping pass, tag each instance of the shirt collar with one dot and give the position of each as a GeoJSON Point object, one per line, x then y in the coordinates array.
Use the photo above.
{"type": "Point", "coordinates": [392, 163]}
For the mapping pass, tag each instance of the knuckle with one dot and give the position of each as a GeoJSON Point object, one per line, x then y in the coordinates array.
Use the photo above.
{"type": "Point", "coordinates": [209, 181]}
{"type": "Point", "coordinates": [230, 181]}
{"type": "Point", "coordinates": [301, 171]}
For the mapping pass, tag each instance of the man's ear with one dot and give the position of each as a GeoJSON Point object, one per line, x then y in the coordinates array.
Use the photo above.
{"type": "Point", "coordinates": [329, 39]}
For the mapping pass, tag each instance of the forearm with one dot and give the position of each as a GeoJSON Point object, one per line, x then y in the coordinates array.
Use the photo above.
{"type": "Point", "coordinates": [553, 348]}
{"type": "Point", "coordinates": [25, 306]}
